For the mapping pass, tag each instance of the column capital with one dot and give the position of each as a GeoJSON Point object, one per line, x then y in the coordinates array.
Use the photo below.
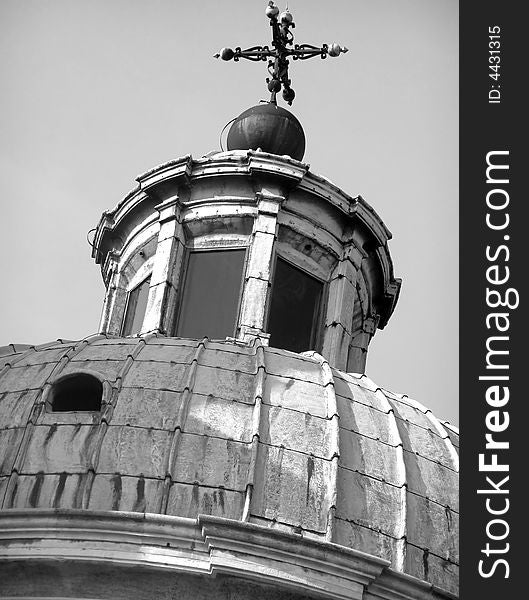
{"type": "Point", "coordinates": [169, 209]}
{"type": "Point", "coordinates": [267, 203]}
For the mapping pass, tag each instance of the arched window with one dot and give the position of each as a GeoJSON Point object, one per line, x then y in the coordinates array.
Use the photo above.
{"type": "Point", "coordinates": [211, 294]}
{"type": "Point", "coordinates": [295, 308]}
{"type": "Point", "coordinates": [136, 306]}
{"type": "Point", "coordinates": [76, 392]}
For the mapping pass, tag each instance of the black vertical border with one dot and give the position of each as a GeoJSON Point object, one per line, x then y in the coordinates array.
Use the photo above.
{"type": "Point", "coordinates": [486, 127]}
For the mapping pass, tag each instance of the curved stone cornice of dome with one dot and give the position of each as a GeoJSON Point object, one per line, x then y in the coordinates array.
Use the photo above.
{"type": "Point", "coordinates": [244, 162]}
{"type": "Point", "coordinates": [196, 556]}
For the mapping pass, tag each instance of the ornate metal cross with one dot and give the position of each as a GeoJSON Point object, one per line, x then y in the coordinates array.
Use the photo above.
{"type": "Point", "coordinates": [282, 42]}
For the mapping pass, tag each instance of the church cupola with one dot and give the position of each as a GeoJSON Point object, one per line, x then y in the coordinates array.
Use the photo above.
{"type": "Point", "coordinates": [249, 243]}
{"type": "Point", "coordinates": [245, 244]}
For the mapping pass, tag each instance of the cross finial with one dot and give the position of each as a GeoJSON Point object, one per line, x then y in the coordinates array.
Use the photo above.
{"type": "Point", "coordinates": [283, 47]}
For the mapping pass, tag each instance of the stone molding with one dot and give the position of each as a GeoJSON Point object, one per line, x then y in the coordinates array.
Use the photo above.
{"type": "Point", "coordinates": [206, 546]}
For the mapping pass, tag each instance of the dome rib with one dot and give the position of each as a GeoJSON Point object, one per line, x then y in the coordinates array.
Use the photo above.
{"type": "Point", "coordinates": [400, 555]}
{"type": "Point", "coordinates": [444, 436]}
{"type": "Point", "coordinates": [181, 418]}
{"type": "Point", "coordinates": [429, 543]}
{"type": "Point", "coordinates": [106, 416]}
{"type": "Point", "coordinates": [256, 426]}
{"type": "Point", "coordinates": [333, 417]}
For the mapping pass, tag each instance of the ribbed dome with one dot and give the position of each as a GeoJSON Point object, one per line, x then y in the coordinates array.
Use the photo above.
{"type": "Point", "coordinates": [191, 427]}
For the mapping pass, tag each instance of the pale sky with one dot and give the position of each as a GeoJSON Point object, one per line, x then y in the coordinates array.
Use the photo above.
{"type": "Point", "coordinates": [96, 92]}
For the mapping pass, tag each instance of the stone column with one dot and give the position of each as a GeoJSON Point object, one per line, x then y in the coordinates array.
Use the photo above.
{"type": "Point", "coordinates": [161, 304]}
{"type": "Point", "coordinates": [115, 300]}
{"type": "Point", "coordinates": [339, 314]}
{"type": "Point", "coordinates": [356, 361]}
{"type": "Point", "coordinates": [255, 293]}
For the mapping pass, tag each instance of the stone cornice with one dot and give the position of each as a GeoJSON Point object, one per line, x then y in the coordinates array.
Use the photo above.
{"type": "Point", "coordinates": [206, 546]}
{"type": "Point", "coordinates": [183, 170]}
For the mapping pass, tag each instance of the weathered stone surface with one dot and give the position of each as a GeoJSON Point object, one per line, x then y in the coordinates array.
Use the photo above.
{"type": "Point", "coordinates": [432, 526]}
{"type": "Point", "coordinates": [26, 378]}
{"type": "Point", "coordinates": [145, 407]}
{"type": "Point", "coordinates": [292, 488]}
{"type": "Point", "coordinates": [134, 451]}
{"type": "Point", "coordinates": [212, 462]}
{"type": "Point", "coordinates": [235, 361]}
{"type": "Point", "coordinates": [352, 391]}
{"type": "Point", "coordinates": [107, 369]}
{"type": "Point", "coordinates": [289, 429]}
{"type": "Point", "coordinates": [371, 422]}
{"type": "Point", "coordinates": [198, 427]}
{"type": "Point", "coordinates": [102, 350]}
{"type": "Point", "coordinates": [42, 357]}
{"type": "Point", "coordinates": [369, 502]}
{"type": "Point", "coordinates": [298, 367]}
{"type": "Point", "coordinates": [189, 500]}
{"type": "Point", "coordinates": [9, 443]}
{"type": "Point", "coordinates": [224, 383]}
{"type": "Point", "coordinates": [427, 566]}
{"type": "Point", "coordinates": [120, 492]}
{"type": "Point", "coordinates": [161, 353]}
{"type": "Point", "coordinates": [219, 417]}
{"type": "Point", "coordinates": [156, 375]}
{"type": "Point", "coordinates": [254, 302]}
{"type": "Point", "coordinates": [366, 455]}
{"type": "Point", "coordinates": [58, 448]}
{"type": "Point", "coordinates": [432, 480]}
{"type": "Point", "coordinates": [60, 490]}
{"type": "Point", "coordinates": [373, 542]}
{"type": "Point", "coordinates": [405, 412]}
{"type": "Point", "coordinates": [261, 255]}
{"type": "Point", "coordinates": [295, 394]}
{"type": "Point", "coordinates": [426, 443]}
{"type": "Point", "coordinates": [15, 407]}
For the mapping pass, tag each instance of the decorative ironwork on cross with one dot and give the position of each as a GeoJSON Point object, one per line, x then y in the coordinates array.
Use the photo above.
{"type": "Point", "coordinates": [283, 48]}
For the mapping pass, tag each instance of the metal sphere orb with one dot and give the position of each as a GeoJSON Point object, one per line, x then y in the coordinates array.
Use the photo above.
{"type": "Point", "coordinates": [286, 18]}
{"type": "Point", "coordinates": [270, 128]}
{"type": "Point", "coordinates": [289, 94]}
{"type": "Point", "coordinates": [274, 85]}
{"type": "Point", "coordinates": [271, 10]}
{"type": "Point", "coordinates": [335, 50]}
{"type": "Point", "coordinates": [227, 53]}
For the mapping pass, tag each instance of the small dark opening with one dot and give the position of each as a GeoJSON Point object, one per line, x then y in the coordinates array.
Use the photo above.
{"type": "Point", "coordinates": [295, 307]}
{"type": "Point", "coordinates": [136, 307]}
{"type": "Point", "coordinates": [80, 392]}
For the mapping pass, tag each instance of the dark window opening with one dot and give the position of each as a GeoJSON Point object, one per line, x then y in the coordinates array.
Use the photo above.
{"type": "Point", "coordinates": [295, 308]}
{"type": "Point", "coordinates": [79, 392]}
{"type": "Point", "coordinates": [136, 306]}
{"type": "Point", "coordinates": [211, 294]}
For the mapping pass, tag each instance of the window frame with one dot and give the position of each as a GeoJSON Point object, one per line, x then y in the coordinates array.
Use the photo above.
{"type": "Point", "coordinates": [192, 248]}
{"type": "Point", "coordinates": [126, 307]}
{"type": "Point", "coordinates": [318, 333]}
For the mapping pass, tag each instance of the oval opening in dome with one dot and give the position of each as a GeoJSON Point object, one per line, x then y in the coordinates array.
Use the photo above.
{"type": "Point", "coordinates": [79, 392]}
